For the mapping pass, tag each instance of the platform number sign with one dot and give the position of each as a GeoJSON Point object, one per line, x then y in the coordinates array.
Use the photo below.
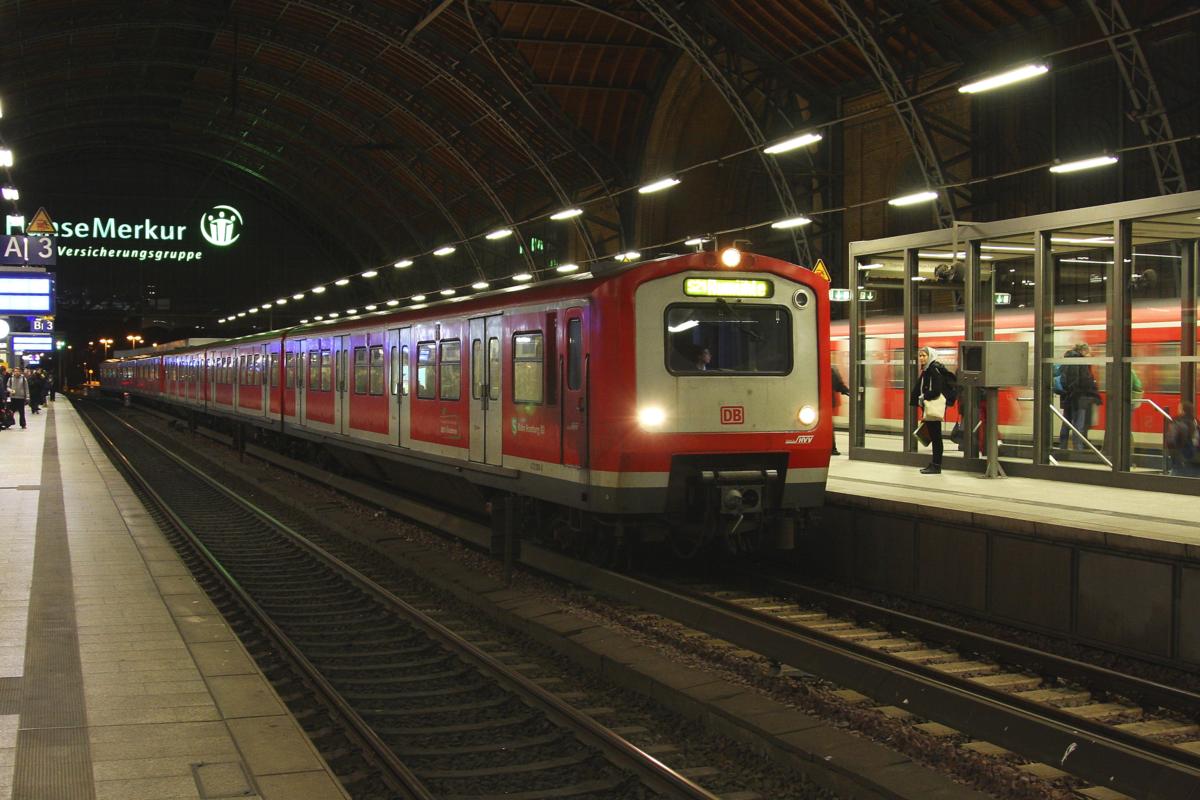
{"type": "Point", "coordinates": [733, 415]}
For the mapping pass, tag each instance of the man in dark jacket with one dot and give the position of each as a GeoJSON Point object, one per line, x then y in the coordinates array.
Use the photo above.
{"type": "Point", "coordinates": [37, 390]}
{"type": "Point", "coordinates": [1080, 393]}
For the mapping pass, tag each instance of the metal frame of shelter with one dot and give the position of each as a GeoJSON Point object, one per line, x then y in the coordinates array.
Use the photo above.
{"type": "Point", "coordinates": [1118, 220]}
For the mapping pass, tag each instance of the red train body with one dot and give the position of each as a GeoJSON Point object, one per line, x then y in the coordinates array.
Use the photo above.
{"type": "Point", "coordinates": [586, 398]}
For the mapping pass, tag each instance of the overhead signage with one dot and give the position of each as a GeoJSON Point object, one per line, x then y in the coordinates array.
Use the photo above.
{"type": "Point", "coordinates": [149, 239]}
{"type": "Point", "coordinates": [41, 324]}
{"type": "Point", "coordinates": [17, 251]}
{"type": "Point", "coordinates": [32, 343]}
{"type": "Point", "coordinates": [1003, 298]}
{"type": "Point", "coordinates": [727, 287]}
{"type": "Point", "coordinates": [23, 292]}
{"type": "Point", "coordinates": [41, 223]}
{"type": "Point", "coordinates": [822, 270]}
{"type": "Point", "coordinates": [844, 295]}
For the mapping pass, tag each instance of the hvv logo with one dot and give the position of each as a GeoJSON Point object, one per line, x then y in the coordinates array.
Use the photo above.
{"type": "Point", "coordinates": [221, 226]}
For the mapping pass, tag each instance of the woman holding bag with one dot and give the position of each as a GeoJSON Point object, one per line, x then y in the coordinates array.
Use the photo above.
{"type": "Point", "coordinates": [929, 396]}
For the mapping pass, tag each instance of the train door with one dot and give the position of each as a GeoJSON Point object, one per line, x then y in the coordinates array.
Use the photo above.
{"type": "Point", "coordinates": [265, 380]}
{"type": "Point", "coordinates": [575, 390]}
{"type": "Point", "coordinates": [399, 343]}
{"type": "Point", "coordinates": [301, 347]}
{"type": "Point", "coordinates": [341, 394]}
{"type": "Point", "coordinates": [487, 415]}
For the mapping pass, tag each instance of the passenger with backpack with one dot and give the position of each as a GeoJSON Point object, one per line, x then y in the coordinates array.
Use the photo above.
{"type": "Point", "coordinates": [1183, 442]}
{"type": "Point", "coordinates": [1081, 393]}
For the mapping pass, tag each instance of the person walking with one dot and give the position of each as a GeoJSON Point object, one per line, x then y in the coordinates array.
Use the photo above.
{"type": "Point", "coordinates": [37, 390]}
{"type": "Point", "coordinates": [18, 394]}
{"type": "Point", "coordinates": [929, 396]}
{"type": "Point", "coordinates": [839, 387]}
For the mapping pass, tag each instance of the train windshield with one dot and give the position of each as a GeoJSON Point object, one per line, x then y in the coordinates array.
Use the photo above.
{"type": "Point", "coordinates": [728, 338]}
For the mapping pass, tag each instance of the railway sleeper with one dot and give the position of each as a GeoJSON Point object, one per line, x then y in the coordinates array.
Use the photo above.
{"type": "Point", "coordinates": [400, 679]}
{"type": "Point", "coordinates": [425, 731]}
{"type": "Point", "coordinates": [581, 789]}
{"type": "Point", "coordinates": [546, 765]}
{"type": "Point", "coordinates": [453, 708]}
{"type": "Point", "coordinates": [506, 746]}
{"type": "Point", "coordinates": [1106, 711]}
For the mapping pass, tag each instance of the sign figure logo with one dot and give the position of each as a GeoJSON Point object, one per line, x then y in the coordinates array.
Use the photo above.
{"type": "Point", "coordinates": [733, 415]}
{"type": "Point", "coordinates": [221, 226]}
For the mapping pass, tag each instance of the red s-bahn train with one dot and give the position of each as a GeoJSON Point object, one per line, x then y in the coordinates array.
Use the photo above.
{"type": "Point", "coordinates": [1155, 342]}
{"type": "Point", "coordinates": [677, 400]}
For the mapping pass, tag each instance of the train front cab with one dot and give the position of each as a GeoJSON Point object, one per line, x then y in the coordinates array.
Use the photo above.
{"type": "Point", "coordinates": [725, 432]}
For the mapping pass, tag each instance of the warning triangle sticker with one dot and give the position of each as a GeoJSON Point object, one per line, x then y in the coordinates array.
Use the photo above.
{"type": "Point", "coordinates": [41, 223]}
{"type": "Point", "coordinates": [822, 270]}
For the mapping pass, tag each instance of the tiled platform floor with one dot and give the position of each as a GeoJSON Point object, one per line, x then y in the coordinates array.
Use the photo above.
{"type": "Point", "coordinates": [118, 679]}
{"type": "Point", "coordinates": [1165, 518]}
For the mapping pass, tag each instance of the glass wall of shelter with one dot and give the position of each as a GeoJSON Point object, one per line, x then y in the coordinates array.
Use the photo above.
{"type": "Point", "coordinates": [1105, 298]}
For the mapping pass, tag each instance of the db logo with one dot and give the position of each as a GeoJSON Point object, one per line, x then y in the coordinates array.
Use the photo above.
{"type": "Point", "coordinates": [733, 415]}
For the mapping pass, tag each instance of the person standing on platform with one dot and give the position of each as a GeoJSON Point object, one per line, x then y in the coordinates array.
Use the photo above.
{"type": "Point", "coordinates": [839, 387]}
{"type": "Point", "coordinates": [928, 395]}
{"type": "Point", "coordinates": [18, 394]}
{"type": "Point", "coordinates": [37, 390]}
{"type": "Point", "coordinates": [1081, 393]}
{"type": "Point", "coordinates": [4, 376]}
{"type": "Point", "coordinates": [1183, 442]}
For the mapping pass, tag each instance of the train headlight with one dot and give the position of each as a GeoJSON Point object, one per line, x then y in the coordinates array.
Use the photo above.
{"type": "Point", "coordinates": [807, 416]}
{"type": "Point", "coordinates": [731, 256]}
{"type": "Point", "coordinates": [651, 417]}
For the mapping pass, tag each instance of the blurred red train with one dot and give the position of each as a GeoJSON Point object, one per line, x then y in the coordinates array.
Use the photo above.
{"type": "Point", "coordinates": [1156, 335]}
{"type": "Point", "coordinates": [679, 400]}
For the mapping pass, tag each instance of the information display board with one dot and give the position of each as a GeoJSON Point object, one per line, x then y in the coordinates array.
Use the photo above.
{"type": "Point", "coordinates": [25, 292]}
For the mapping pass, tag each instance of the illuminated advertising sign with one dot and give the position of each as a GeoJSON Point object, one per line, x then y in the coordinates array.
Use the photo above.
{"type": "Point", "coordinates": [149, 239]}
{"type": "Point", "coordinates": [23, 292]}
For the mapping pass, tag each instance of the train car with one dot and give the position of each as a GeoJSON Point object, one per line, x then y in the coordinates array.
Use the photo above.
{"type": "Point", "coordinates": [679, 400]}
{"type": "Point", "coordinates": [1155, 334]}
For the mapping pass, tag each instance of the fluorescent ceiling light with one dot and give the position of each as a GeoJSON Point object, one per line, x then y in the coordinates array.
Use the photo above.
{"type": "Point", "coordinates": [370, 273]}
{"type": "Point", "coordinates": [444, 250]}
{"type": "Point", "coordinates": [303, 322]}
{"type": "Point", "coordinates": [448, 292]}
{"type": "Point", "coordinates": [522, 277]}
{"type": "Point", "coordinates": [241, 313]}
{"type": "Point", "coordinates": [913, 199]}
{"type": "Point", "coordinates": [479, 285]}
{"type": "Point", "coordinates": [696, 242]}
{"type": "Point", "coordinates": [1085, 163]}
{"type": "Point", "coordinates": [333, 314]}
{"type": "Point", "coordinates": [870, 266]}
{"type": "Point", "coordinates": [254, 310]}
{"type": "Point", "coordinates": [793, 222]}
{"type": "Point", "coordinates": [319, 316]}
{"type": "Point", "coordinates": [281, 301]}
{"type": "Point", "coordinates": [658, 185]}
{"type": "Point", "coordinates": [803, 140]}
{"type": "Point", "coordinates": [500, 234]}
{"type": "Point", "coordinates": [341, 281]}
{"type": "Point", "coordinates": [351, 311]}
{"type": "Point", "coordinates": [566, 213]}
{"type": "Point", "coordinates": [1022, 73]}
{"type": "Point", "coordinates": [371, 307]}
{"type": "Point", "coordinates": [393, 302]}
{"type": "Point", "coordinates": [6, 157]}
{"type": "Point", "coordinates": [402, 263]}
{"type": "Point", "coordinates": [939, 254]}
{"type": "Point", "coordinates": [1155, 255]}
{"type": "Point", "coordinates": [1077, 240]}
{"type": "Point", "coordinates": [632, 255]}
{"type": "Point", "coordinates": [1007, 248]}
{"type": "Point", "coordinates": [565, 268]}
{"type": "Point", "coordinates": [418, 298]}
{"type": "Point", "coordinates": [1083, 261]}
{"type": "Point", "coordinates": [298, 296]}
{"type": "Point", "coordinates": [11, 193]}
{"type": "Point", "coordinates": [317, 289]}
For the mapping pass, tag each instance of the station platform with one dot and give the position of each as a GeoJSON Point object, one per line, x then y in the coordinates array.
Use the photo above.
{"type": "Point", "coordinates": [1119, 568]}
{"type": "Point", "coordinates": [118, 678]}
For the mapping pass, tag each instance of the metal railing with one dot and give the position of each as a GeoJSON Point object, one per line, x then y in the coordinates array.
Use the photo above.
{"type": "Point", "coordinates": [1082, 437]}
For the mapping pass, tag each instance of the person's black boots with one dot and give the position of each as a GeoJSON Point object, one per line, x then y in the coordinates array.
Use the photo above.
{"type": "Point", "coordinates": [932, 469]}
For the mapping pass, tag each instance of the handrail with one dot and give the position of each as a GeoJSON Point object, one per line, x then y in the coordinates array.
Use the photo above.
{"type": "Point", "coordinates": [1156, 407]}
{"type": "Point", "coordinates": [1082, 437]}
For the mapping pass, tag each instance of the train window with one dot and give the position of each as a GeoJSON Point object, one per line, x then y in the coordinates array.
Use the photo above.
{"type": "Point", "coordinates": [274, 367]}
{"type": "Point", "coordinates": [314, 369]}
{"type": "Point", "coordinates": [326, 370]}
{"type": "Point", "coordinates": [528, 367]}
{"type": "Point", "coordinates": [476, 369]}
{"type": "Point", "coordinates": [728, 338]}
{"type": "Point", "coordinates": [574, 353]}
{"type": "Point", "coordinates": [341, 370]}
{"type": "Point", "coordinates": [289, 370]}
{"type": "Point", "coordinates": [450, 370]}
{"type": "Point", "coordinates": [493, 368]}
{"type": "Point", "coordinates": [404, 368]}
{"type": "Point", "coordinates": [376, 372]}
{"type": "Point", "coordinates": [242, 369]}
{"type": "Point", "coordinates": [362, 377]}
{"type": "Point", "coordinates": [425, 367]}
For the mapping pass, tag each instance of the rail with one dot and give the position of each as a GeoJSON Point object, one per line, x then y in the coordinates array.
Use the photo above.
{"type": "Point", "coordinates": [1082, 437]}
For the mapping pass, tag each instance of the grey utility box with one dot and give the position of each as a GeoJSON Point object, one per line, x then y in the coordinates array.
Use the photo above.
{"type": "Point", "coordinates": [993, 364]}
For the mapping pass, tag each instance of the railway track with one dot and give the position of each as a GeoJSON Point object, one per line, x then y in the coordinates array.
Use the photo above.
{"type": "Point", "coordinates": [441, 717]}
{"type": "Point", "coordinates": [1117, 732]}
